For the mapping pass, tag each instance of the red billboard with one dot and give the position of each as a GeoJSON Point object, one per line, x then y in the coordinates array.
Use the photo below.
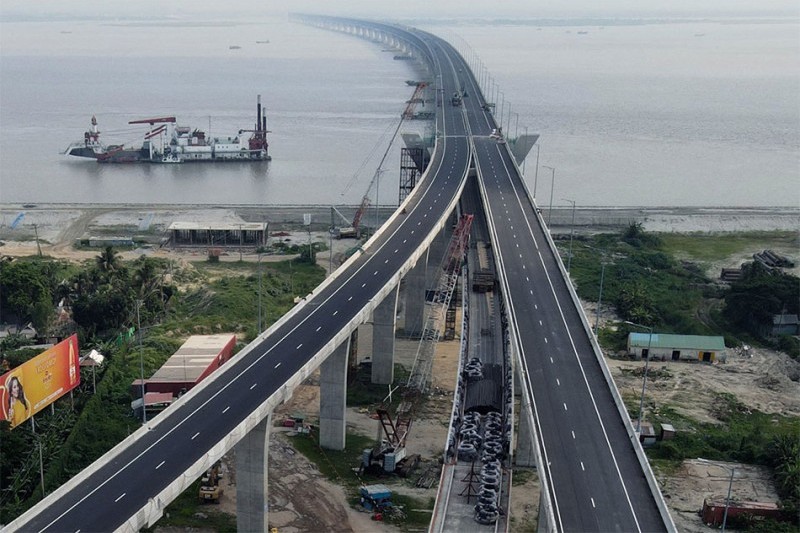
{"type": "Point", "coordinates": [37, 383]}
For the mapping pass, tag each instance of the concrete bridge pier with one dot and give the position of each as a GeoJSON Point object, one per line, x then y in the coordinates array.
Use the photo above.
{"type": "Point", "coordinates": [384, 319]}
{"type": "Point", "coordinates": [333, 398]}
{"type": "Point", "coordinates": [252, 453]}
{"type": "Point", "coordinates": [414, 304]}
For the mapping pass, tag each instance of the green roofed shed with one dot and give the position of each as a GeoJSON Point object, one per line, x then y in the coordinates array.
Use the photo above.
{"type": "Point", "coordinates": [668, 346]}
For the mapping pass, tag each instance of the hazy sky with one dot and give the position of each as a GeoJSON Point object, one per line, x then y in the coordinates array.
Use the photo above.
{"type": "Point", "coordinates": [413, 9]}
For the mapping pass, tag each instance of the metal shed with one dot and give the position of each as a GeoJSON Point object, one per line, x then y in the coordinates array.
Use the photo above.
{"type": "Point", "coordinates": [220, 235]}
{"type": "Point", "coordinates": [668, 346]}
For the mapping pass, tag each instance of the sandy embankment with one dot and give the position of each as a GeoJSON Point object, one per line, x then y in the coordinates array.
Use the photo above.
{"type": "Point", "coordinates": [60, 225]}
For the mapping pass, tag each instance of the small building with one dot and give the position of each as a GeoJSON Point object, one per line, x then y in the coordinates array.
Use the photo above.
{"type": "Point", "coordinates": [245, 235]}
{"type": "Point", "coordinates": [785, 324]}
{"type": "Point", "coordinates": [667, 346]}
{"type": "Point", "coordinates": [199, 356]}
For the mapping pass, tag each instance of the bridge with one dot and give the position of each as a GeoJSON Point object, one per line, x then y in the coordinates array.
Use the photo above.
{"type": "Point", "coordinates": [594, 474]}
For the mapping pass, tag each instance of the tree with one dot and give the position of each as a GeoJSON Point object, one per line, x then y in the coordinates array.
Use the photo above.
{"type": "Point", "coordinates": [108, 260]}
{"type": "Point", "coordinates": [25, 293]}
{"type": "Point", "coordinates": [760, 294]}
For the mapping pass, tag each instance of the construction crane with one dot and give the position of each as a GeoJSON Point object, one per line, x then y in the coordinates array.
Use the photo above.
{"type": "Point", "coordinates": [390, 453]}
{"type": "Point", "coordinates": [354, 229]}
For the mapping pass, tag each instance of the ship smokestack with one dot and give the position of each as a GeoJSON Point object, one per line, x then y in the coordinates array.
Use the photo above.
{"type": "Point", "coordinates": [265, 125]}
{"type": "Point", "coordinates": [258, 108]}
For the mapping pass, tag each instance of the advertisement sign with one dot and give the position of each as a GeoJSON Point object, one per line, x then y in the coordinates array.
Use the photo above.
{"type": "Point", "coordinates": [37, 383]}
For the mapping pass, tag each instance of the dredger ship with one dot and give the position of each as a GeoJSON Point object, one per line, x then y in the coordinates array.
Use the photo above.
{"type": "Point", "coordinates": [167, 142]}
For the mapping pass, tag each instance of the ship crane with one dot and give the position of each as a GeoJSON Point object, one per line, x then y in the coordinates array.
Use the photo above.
{"type": "Point", "coordinates": [153, 121]}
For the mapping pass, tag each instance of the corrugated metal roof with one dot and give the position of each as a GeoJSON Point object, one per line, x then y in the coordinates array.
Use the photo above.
{"type": "Point", "coordinates": [680, 342]}
{"type": "Point", "coordinates": [192, 359]}
{"type": "Point", "coordinates": [217, 226]}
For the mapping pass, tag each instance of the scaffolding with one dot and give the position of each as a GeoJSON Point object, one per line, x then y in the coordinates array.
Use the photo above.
{"type": "Point", "coordinates": [412, 164]}
{"type": "Point", "coordinates": [437, 304]}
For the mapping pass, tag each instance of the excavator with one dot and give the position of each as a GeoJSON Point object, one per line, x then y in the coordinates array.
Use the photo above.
{"type": "Point", "coordinates": [210, 484]}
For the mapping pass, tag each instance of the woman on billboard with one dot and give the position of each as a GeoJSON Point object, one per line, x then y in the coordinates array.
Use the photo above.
{"type": "Point", "coordinates": [17, 404]}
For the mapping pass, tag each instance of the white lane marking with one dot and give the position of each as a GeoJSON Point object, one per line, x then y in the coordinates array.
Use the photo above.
{"type": "Point", "coordinates": [540, 323]}
{"type": "Point", "coordinates": [349, 298]}
{"type": "Point", "coordinates": [396, 250]}
{"type": "Point", "coordinates": [363, 285]}
{"type": "Point", "coordinates": [385, 261]}
{"type": "Point", "coordinates": [535, 306]}
{"type": "Point", "coordinates": [120, 497]}
{"type": "Point", "coordinates": [573, 434]}
{"type": "Point", "coordinates": [527, 278]}
{"type": "Point", "coordinates": [551, 358]}
{"type": "Point", "coordinates": [405, 241]}
{"type": "Point", "coordinates": [565, 406]}
{"type": "Point", "coordinates": [299, 346]}
{"type": "Point", "coordinates": [545, 340]}
{"type": "Point", "coordinates": [160, 464]}
{"type": "Point", "coordinates": [558, 382]}
{"type": "Point", "coordinates": [196, 434]}
{"type": "Point", "coordinates": [531, 291]}
{"type": "Point", "coordinates": [583, 467]}
{"type": "Point", "coordinates": [593, 505]}
{"type": "Point", "coordinates": [319, 328]}
{"type": "Point", "coordinates": [276, 366]}
{"type": "Point", "coordinates": [253, 386]}
{"type": "Point", "coordinates": [335, 313]}
{"type": "Point", "coordinates": [375, 273]}
{"type": "Point", "coordinates": [226, 410]}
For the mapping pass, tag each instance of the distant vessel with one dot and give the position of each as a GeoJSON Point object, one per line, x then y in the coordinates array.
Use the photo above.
{"type": "Point", "coordinates": [166, 142]}
{"type": "Point", "coordinates": [234, 47]}
{"type": "Point", "coordinates": [263, 42]}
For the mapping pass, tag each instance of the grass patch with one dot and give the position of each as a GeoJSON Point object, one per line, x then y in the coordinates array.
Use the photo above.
{"type": "Point", "coordinates": [335, 464]}
{"type": "Point", "coordinates": [522, 476]}
{"type": "Point", "coordinates": [715, 247]}
{"type": "Point", "coordinates": [183, 512]}
{"type": "Point", "coordinates": [745, 435]}
{"type": "Point", "coordinates": [362, 392]}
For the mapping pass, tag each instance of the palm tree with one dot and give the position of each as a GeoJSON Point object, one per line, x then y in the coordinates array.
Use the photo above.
{"type": "Point", "coordinates": [108, 260]}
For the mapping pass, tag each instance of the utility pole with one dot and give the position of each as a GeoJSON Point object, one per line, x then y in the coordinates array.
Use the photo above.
{"type": "Point", "coordinates": [141, 359]}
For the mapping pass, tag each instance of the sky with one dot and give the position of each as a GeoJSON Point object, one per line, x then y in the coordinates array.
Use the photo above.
{"type": "Point", "coordinates": [403, 9]}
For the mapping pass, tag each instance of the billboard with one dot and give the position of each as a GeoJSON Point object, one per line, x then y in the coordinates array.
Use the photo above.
{"type": "Point", "coordinates": [37, 383]}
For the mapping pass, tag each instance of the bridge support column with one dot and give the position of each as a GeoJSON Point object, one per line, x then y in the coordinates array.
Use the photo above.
{"type": "Point", "coordinates": [414, 304]}
{"type": "Point", "coordinates": [252, 453]}
{"type": "Point", "coordinates": [333, 398]}
{"type": "Point", "coordinates": [384, 319]}
{"type": "Point", "coordinates": [525, 454]}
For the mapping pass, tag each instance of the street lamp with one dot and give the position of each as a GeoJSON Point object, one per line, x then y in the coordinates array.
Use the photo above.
{"type": "Point", "coordinates": [730, 486]}
{"type": "Point", "coordinates": [644, 380]}
{"type": "Point", "coordinates": [571, 232]}
{"type": "Point", "coordinates": [552, 185]}
{"type": "Point", "coordinates": [536, 173]}
{"type": "Point", "coordinates": [260, 256]}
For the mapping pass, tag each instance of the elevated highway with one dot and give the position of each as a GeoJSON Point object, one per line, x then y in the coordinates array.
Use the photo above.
{"type": "Point", "coordinates": [593, 478]}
